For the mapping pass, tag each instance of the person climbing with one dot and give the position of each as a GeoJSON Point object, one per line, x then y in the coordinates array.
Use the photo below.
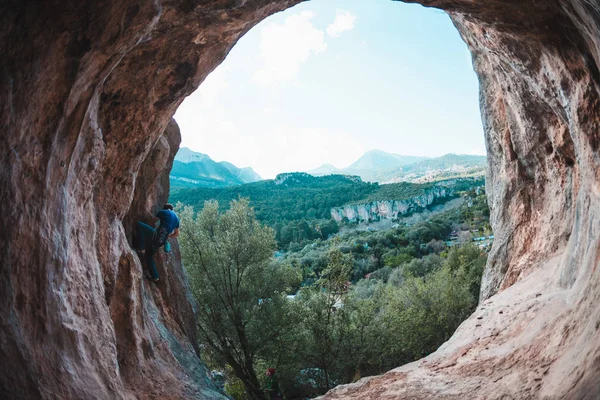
{"type": "Point", "coordinates": [148, 240]}
{"type": "Point", "coordinates": [272, 386]}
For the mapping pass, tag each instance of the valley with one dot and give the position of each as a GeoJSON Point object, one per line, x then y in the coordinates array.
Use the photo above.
{"type": "Point", "coordinates": [321, 204]}
{"type": "Point", "coordinates": [349, 268]}
{"type": "Point", "coordinates": [344, 270]}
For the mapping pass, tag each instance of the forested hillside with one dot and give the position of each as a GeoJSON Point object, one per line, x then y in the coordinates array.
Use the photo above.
{"type": "Point", "coordinates": [329, 309]}
{"type": "Point", "coordinates": [288, 197]}
{"type": "Point", "coordinates": [298, 196]}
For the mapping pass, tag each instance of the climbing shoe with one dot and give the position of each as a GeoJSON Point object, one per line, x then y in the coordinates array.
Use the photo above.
{"type": "Point", "coordinates": [148, 276]}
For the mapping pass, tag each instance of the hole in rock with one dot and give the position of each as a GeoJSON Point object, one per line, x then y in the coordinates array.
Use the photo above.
{"type": "Point", "coordinates": [352, 132]}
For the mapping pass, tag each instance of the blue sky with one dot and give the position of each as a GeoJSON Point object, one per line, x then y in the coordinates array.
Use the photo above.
{"type": "Point", "coordinates": [327, 80]}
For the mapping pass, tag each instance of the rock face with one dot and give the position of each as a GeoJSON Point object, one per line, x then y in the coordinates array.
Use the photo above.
{"type": "Point", "coordinates": [390, 209]}
{"type": "Point", "coordinates": [87, 90]}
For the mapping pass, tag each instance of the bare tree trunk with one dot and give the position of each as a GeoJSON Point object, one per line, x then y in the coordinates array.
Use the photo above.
{"type": "Point", "coordinates": [326, 379]}
{"type": "Point", "coordinates": [254, 391]}
{"type": "Point", "coordinates": [248, 378]}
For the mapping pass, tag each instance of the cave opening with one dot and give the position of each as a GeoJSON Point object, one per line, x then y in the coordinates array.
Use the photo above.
{"type": "Point", "coordinates": [317, 85]}
{"type": "Point", "coordinates": [86, 92]}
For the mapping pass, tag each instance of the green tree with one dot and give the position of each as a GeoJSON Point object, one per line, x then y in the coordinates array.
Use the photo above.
{"type": "Point", "coordinates": [367, 333]}
{"type": "Point", "coordinates": [241, 296]}
{"type": "Point", "coordinates": [425, 311]}
{"type": "Point", "coordinates": [325, 321]}
{"type": "Point", "coordinates": [335, 278]}
{"type": "Point", "coordinates": [329, 228]}
{"type": "Point", "coordinates": [470, 261]}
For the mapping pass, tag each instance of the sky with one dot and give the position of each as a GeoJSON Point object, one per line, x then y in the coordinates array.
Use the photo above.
{"type": "Point", "coordinates": [328, 80]}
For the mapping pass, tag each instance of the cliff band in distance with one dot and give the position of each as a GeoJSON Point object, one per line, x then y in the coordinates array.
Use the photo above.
{"type": "Point", "coordinates": [390, 209]}
{"type": "Point", "coordinates": [87, 92]}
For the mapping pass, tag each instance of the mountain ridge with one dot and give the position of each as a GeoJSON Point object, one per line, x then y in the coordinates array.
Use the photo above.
{"type": "Point", "coordinates": [379, 159]}
{"type": "Point", "coordinates": [380, 166]}
{"type": "Point", "coordinates": [193, 169]}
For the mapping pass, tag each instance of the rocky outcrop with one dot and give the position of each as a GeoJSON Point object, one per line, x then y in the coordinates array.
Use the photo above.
{"type": "Point", "coordinates": [391, 209]}
{"type": "Point", "coordinates": [140, 335]}
{"type": "Point", "coordinates": [87, 89]}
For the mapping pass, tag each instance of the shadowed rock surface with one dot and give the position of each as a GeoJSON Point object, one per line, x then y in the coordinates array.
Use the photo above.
{"type": "Point", "coordinates": [87, 91]}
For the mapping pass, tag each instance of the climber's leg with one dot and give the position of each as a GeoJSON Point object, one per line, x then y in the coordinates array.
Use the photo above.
{"type": "Point", "coordinates": [143, 236]}
{"type": "Point", "coordinates": [143, 243]}
{"type": "Point", "coordinates": [151, 264]}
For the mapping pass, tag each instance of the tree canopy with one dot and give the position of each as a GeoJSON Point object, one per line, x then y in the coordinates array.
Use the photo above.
{"type": "Point", "coordinates": [240, 294]}
{"type": "Point", "coordinates": [327, 313]}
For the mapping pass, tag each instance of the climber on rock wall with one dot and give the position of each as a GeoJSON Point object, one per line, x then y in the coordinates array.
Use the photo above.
{"type": "Point", "coordinates": [148, 240]}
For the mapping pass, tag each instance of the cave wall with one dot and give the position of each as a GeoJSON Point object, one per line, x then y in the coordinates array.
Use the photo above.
{"type": "Point", "coordinates": [87, 92]}
{"type": "Point", "coordinates": [538, 77]}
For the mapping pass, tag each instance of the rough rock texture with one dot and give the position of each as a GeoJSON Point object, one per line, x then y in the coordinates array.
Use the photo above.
{"type": "Point", "coordinates": [87, 89]}
{"type": "Point", "coordinates": [390, 209]}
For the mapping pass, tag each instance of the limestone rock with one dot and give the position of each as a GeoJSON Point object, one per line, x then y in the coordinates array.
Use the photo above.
{"type": "Point", "coordinates": [87, 89]}
{"type": "Point", "coordinates": [390, 209]}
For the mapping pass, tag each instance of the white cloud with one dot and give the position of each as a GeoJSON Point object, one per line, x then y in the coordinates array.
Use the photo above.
{"type": "Point", "coordinates": [344, 21]}
{"type": "Point", "coordinates": [285, 47]}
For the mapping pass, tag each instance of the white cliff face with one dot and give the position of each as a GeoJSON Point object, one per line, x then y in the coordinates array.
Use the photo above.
{"type": "Point", "coordinates": [390, 209]}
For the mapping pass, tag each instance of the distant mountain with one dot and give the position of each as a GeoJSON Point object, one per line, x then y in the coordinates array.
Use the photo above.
{"type": "Point", "coordinates": [246, 174]}
{"type": "Point", "coordinates": [369, 165]}
{"type": "Point", "coordinates": [186, 155]}
{"type": "Point", "coordinates": [192, 169]}
{"type": "Point", "coordinates": [380, 160]}
{"type": "Point", "coordinates": [325, 169]}
{"type": "Point", "coordinates": [449, 161]}
{"type": "Point", "coordinates": [382, 167]}
{"type": "Point", "coordinates": [444, 167]}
